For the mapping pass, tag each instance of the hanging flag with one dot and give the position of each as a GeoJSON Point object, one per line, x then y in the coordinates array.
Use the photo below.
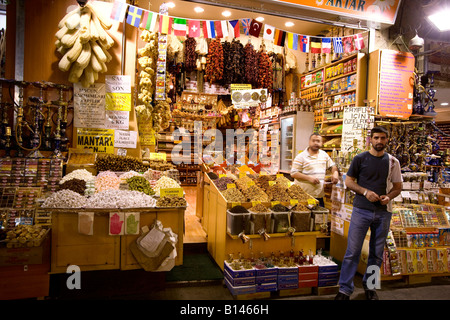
{"type": "Point", "coordinates": [347, 42]}
{"type": "Point", "coordinates": [326, 45]}
{"type": "Point", "coordinates": [304, 43]}
{"type": "Point", "coordinates": [194, 28]}
{"type": "Point", "coordinates": [292, 40]}
{"type": "Point", "coordinates": [221, 28]}
{"type": "Point", "coordinates": [208, 29]}
{"type": "Point", "coordinates": [255, 28]}
{"type": "Point", "coordinates": [269, 32]}
{"type": "Point", "coordinates": [165, 24]}
{"type": "Point", "coordinates": [337, 45]}
{"type": "Point", "coordinates": [246, 25]}
{"type": "Point", "coordinates": [118, 11]}
{"type": "Point", "coordinates": [148, 20]}
{"type": "Point", "coordinates": [179, 27]}
{"type": "Point", "coordinates": [235, 25]}
{"type": "Point", "coordinates": [134, 16]}
{"type": "Point", "coordinates": [359, 41]}
{"type": "Point", "coordinates": [280, 38]}
{"type": "Point", "coordinates": [315, 45]}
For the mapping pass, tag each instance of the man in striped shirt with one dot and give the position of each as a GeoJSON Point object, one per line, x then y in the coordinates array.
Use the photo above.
{"type": "Point", "coordinates": [310, 166]}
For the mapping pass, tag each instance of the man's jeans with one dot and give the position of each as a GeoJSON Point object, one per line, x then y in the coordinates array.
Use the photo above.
{"type": "Point", "coordinates": [361, 221]}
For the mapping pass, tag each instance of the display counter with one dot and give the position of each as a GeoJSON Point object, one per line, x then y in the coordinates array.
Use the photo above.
{"type": "Point", "coordinates": [102, 251]}
{"type": "Point", "coordinates": [221, 243]}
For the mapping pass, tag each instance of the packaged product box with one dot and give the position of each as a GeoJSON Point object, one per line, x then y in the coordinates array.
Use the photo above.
{"type": "Point", "coordinates": [239, 282]}
{"type": "Point", "coordinates": [448, 259]}
{"type": "Point", "coordinates": [286, 279]}
{"type": "Point", "coordinates": [432, 260]}
{"type": "Point", "coordinates": [421, 260]}
{"type": "Point", "coordinates": [402, 261]}
{"type": "Point", "coordinates": [287, 271]}
{"type": "Point", "coordinates": [240, 290]}
{"type": "Point", "coordinates": [411, 261]}
{"type": "Point", "coordinates": [442, 260]}
{"type": "Point", "coordinates": [266, 279]}
{"type": "Point", "coordinates": [308, 283]}
{"type": "Point", "coordinates": [287, 286]}
{"type": "Point", "coordinates": [260, 272]}
{"type": "Point", "coordinates": [308, 269]}
{"type": "Point", "coordinates": [245, 273]}
{"type": "Point", "coordinates": [266, 287]}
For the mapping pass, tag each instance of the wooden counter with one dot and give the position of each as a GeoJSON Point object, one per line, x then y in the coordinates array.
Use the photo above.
{"type": "Point", "coordinates": [220, 243]}
{"type": "Point", "coordinates": [102, 251]}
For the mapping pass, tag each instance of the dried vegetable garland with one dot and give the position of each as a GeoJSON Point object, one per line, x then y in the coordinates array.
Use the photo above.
{"type": "Point", "coordinates": [190, 55]}
{"type": "Point", "coordinates": [214, 62]}
{"type": "Point", "coordinates": [234, 61]}
{"type": "Point", "coordinates": [251, 64]}
{"type": "Point", "coordinates": [265, 72]}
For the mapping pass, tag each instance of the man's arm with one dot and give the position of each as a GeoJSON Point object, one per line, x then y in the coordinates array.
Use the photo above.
{"type": "Point", "coordinates": [304, 177]}
{"type": "Point", "coordinates": [350, 182]}
{"type": "Point", "coordinates": [395, 191]}
{"type": "Point", "coordinates": [334, 174]}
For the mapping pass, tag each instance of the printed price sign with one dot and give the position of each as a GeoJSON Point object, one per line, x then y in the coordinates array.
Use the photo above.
{"type": "Point", "coordinates": [171, 192]}
{"type": "Point", "coordinates": [231, 186]}
{"type": "Point", "coordinates": [293, 202]}
{"type": "Point", "coordinates": [158, 156]}
{"type": "Point", "coordinates": [274, 203]}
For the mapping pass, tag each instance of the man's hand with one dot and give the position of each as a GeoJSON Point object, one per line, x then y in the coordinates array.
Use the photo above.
{"type": "Point", "coordinates": [372, 196]}
{"type": "Point", "coordinates": [384, 200]}
{"type": "Point", "coordinates": [314, 180]}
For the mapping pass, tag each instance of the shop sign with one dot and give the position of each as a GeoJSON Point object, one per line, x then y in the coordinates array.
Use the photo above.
{"type": "Point", "coordinates": [125, 139]}
{"type": "Point", "coordinates": [100, 140]}
{"type": "Point", "coordinates": [371, 10]}
{"type": "Point", "coordinates": [117, 101]}
{"type": "Point", "coordinates": [356, 120]}
{"type": "Point", "coordinates": [396, 84]}
{"type": "Point", "coordinates": [89, 106]}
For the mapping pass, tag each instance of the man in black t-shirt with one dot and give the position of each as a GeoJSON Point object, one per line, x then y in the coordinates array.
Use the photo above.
{"type": "Point", "coordinates": [375, 177]}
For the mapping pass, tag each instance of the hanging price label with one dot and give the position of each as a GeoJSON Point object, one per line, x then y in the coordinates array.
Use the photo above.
{"type": "Point", "coordinates": [312, 202]}
{"type": "Point", "coordinates": [254, 203]}
{"type": "Point", "coordinates": [231, 186]}
{"type": "Point", "coordinates": [274, 203]}
{"type": "Point", "coordinates": [234, 204]}
{"type": "Point", "coordinates": [158, 156]}
{"type": "Point", "coordinates": [293, 202]}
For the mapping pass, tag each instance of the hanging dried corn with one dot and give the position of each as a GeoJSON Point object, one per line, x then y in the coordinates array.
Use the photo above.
{"type": "Point", "coordinates": [83, 42]}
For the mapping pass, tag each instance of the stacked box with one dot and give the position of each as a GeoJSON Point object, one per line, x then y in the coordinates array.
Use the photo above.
{"type": "Point", "coordinates": [240, 281]}
{"type": "Point", "coordinates": [432, 260]}
{"type": "Point", "coordinates": [328, 275]}
{"type": "Point", "coordinates": [287, 278]}
{"type": "Point", "coordinates": [308, 276]}
{"type": "Point", "coordinates": [266, 279]}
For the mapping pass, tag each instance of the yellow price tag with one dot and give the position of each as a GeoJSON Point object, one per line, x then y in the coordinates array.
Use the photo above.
{"type": "Point", "coordinates": [312, 202]}
{"type": "Point", "coordinates": [251, 183]}
{"type": "Point", "coordinates": [274, 203]}
{"type": "Point", "coordinates": [242, 174]}
{"type": "Point", "coordinates": [254, 203]}
{"type": "Point", "coordinates": [280, 175]}
{"type": "Point", "coordinates": [293, 202]}
{"type": "Point", "coordinates": [271, 183]}
{"type": "Point", "coordinates": [171, 192]}
{"type": "Point", "coordinates": [263, 173]}
{"type": "Point", "coordinates": [222, 175]}
{"type": "Point", "coordinates": [234, 204]}
{"type": "Point", "coordinates": [158, 156]}
{"type": "Point", "coordinates": [231, 186]}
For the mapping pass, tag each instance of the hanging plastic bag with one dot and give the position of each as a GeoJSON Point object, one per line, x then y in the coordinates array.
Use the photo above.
{"type": "Point", "coordinates": [155, 250]}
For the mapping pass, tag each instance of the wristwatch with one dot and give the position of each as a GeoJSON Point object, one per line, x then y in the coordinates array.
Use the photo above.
{"type": "Point", "coordinates": [365, 192]}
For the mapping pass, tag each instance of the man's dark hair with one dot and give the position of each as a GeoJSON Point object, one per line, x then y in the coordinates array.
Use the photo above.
{"type": "Point", "coordinates": [379, 129]}
{"type": "Point", "coordinates": [315, 134]}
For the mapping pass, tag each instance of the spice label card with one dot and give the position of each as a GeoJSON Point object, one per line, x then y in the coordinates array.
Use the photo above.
{"type": "Point", "coordinates": [132, 220]}
{"type": "Point", "coordinates": [86, 223]}
{"type": "Point", "coordinates": [116, 223]}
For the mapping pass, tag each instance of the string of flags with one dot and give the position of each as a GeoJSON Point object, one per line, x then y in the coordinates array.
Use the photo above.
{"type": "Point", "coordinates": [164, 24]}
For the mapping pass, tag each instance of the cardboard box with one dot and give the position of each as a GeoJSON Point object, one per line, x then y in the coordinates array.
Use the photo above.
{"type": "Point", "coordinates": [26, 255]}
{"type": "Point", "coordinates": [239, 273]}
{"type": "Point", "coordinates": [266, 272]}
{"type": "Point", "coordinates": [241, 289]}
{"type": "Point", "coordinates": [266, 279]}
{"type": "Point", "coordinates": [308, 276]}
{"type": "Point", "coordinates": [285, 271]}
{"type": "Point", "coordinates": [285, 279]}
{"type": "Point", "coordinates": [308, 283]}
{"type": "Point", "coordinates": [327, 283]}
{"type": "Point", "coordinates": [239, 282]}
{"type": "Point", "coordinates": [266, 287]}
{"type": "Point", "coordinates": [287, 286]}
{"type": "Point", "coordinates": [308, 269]}
{"type": "Point", "coordinates": [329, 268]}
{"type": "Point", "coordinates": [328, 275]}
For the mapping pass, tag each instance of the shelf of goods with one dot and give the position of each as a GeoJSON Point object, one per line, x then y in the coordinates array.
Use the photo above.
{"type": "Point", "coordinates": [418, 245]}
{"type": "Point", "coordinates": [90, 223]}
{"type": "Point", "coordinates": [332, 88]}
{"type": "Point", "coordinates": [225, 235]}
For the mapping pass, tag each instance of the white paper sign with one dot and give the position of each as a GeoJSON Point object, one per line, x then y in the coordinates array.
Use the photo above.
{"type": "Point", "coordinates": [125, 139]}
{"type": "Point", "coordinates": [117, 119]}
{"type": "Point", "coordinates": [118, 84]}
{"type": "Point", "coordinates": [89, 106]}
{"type": "Point", "coordinates": [355, 120]}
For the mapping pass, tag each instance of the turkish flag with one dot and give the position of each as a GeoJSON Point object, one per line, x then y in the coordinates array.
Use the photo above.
{"type": "Point", "coordinates": [255, 28]}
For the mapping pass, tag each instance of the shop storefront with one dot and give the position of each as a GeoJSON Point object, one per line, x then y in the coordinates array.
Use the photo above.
{"type": "Point", "coordinates": [135, 128]}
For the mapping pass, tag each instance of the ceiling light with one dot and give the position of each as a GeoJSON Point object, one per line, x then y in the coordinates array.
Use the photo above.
{"type": "Point", "coordinates": [289, 24]}
{"type": "Point", "coordinates": [441, 20]}
{"type": "Point", "coordinates": [260, 19]}
{"type": "Point", "coordinates": [444, 104]}
{"type": "Point", "coordinates": [170, 5]}
{"type": "Point", "coordinates": [226, 13]}
{"type": "Point", "coordinates": [199, 9]}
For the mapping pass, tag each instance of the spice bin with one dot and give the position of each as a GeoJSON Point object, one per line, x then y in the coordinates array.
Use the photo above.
{"type": "Point", "coordinates": [238, 222]}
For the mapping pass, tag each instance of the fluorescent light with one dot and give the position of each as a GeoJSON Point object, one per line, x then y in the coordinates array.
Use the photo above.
{"type": "Point", "coordinates": [226, 13]}
{"type": "Point", "coordinates": [444, 104]}
{"type": "Point", "coordinates": [170, 5]}
{"type": "Point", "coordinates": [199, 9]}
{"type": "Point", "coordinates": [260, 19]}
{"type": "Point", "coordinates": [289, 24]}
{"type": "Point", "coordinates": [441, 20]}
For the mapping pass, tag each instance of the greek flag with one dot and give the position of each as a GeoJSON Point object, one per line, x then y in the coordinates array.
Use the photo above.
{"type": "Point", "coordinates": [337, 44]}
